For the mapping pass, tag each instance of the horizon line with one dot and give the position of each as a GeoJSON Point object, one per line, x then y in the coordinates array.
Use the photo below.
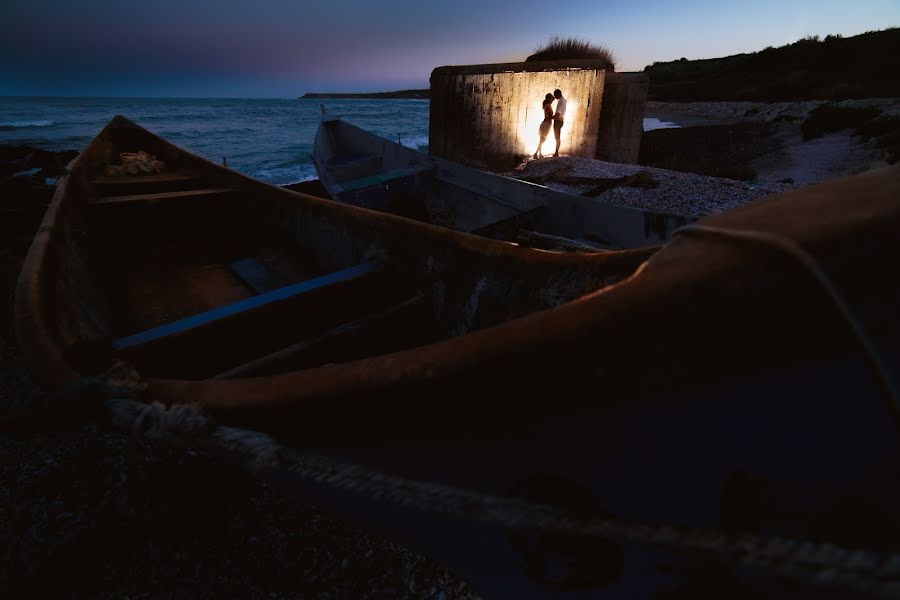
{"type": "Point", "coordinates": [299, 97]}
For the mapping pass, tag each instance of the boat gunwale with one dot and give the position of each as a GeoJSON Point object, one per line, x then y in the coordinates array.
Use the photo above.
{"type": "Point", "coordinates": [35, 332]}
{"type": "Point", "coordinates": [335, 389]}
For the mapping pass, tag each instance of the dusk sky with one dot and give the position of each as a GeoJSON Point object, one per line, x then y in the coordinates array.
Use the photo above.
{"type": "Point", "coordinates": [284, 48]}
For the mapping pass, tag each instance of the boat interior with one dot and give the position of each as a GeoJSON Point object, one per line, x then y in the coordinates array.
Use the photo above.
{"type": "Point", "coordinates": [363, 169]}
{"type": "Point", "coordinates": [366, 170]}
{"type": "Point", "coordinates": [198, 272]}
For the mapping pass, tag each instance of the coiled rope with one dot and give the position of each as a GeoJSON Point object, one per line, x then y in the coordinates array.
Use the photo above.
{"type": "Point", "coordinates": [817, 563]}
{"type": "Point", "coordinates": [813, 562]}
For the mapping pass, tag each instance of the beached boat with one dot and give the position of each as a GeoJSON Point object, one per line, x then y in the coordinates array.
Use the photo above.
{"type": "Point", "coordinates": [360, 168]}
{"type": "Point", "coordinates": [200, 272]}
{"type": "Point", "coordinates": [565, 425]}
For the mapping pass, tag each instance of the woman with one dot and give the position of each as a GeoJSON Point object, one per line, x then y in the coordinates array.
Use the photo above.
{"type": "Point", "coordinates": [544, 128]}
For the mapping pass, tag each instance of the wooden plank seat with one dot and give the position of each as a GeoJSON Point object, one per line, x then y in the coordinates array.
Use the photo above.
{"type": "Point", "coordinates": [384, 177]}
{"type": "Point", "coordinates": [236, 310]}
{"type": "Point", "coordinates": [165, 176]}
{"type": "Point", "coordinates": [161, 197]}
{"type": "Point", "coordinates": [167, 181]}
{"type": "Point", "coordinates": [256, 275]}
{"type": "Point", "coordinates": [354, 160]}
{"type": "Point", "coordinates": [344, 342]}
{"type": "Point", "coordinates": [354, 166]}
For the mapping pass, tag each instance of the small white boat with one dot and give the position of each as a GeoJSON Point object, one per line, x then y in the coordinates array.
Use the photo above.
{"type": "Point", "coordinates": [360, 168]}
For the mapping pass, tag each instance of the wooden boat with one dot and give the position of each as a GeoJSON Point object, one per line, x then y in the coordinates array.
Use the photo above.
{"type": "Point", "coordinates": [708, 386]}
{"type": "Point", "coordinates": [360, 168]}
{"type": "Point", "coordinates": [168, 271]}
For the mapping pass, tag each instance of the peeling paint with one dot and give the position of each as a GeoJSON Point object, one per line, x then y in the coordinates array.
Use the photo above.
{"type": "Point", "coordinates": [467, 318]}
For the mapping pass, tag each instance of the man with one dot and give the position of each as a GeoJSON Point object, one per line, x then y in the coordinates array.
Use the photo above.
{"type": "Point", "coordinates": [558, 118]}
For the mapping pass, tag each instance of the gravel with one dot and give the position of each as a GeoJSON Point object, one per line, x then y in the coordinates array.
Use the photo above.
{"type": "Point", "coordinates": [680, 193]}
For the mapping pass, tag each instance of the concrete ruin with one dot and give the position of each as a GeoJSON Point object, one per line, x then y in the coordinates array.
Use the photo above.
{"type": "Point", "coordinates": [487, 116]}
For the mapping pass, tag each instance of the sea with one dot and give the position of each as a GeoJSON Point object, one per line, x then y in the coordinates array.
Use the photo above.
{"type": "Point", "coordinates": [269, 139]}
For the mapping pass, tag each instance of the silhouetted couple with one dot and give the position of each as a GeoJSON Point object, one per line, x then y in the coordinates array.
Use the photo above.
{"type": "Point", "coordinates": [557, 118]}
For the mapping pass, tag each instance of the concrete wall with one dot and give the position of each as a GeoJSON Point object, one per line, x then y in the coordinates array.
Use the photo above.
{"type": "Point", "coordinates": [488, 115]}
{"type": "Point", "coordinates": [622, 117]}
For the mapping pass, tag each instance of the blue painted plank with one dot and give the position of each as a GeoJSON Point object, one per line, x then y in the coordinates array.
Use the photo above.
{"type": "Point", "coordinates": [256, 275]}
{"type": "Point", "coordinates": [240, 306]}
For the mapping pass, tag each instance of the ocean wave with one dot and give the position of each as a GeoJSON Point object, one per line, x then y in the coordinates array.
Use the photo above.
{"type": "Point", "coordinates": [296, 173]}
{"type": "Point", "coordinates": [416, 142]}
{"type": "Point", "coordinates": [306, 178]}
{"type": "Point", "coordinates": [8, 125]}
{"type": "Point", "coordinates": [651, 123]}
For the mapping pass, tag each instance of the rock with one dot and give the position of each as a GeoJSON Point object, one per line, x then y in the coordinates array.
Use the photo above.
{"type": "Point", "coordinates": [18, 158]}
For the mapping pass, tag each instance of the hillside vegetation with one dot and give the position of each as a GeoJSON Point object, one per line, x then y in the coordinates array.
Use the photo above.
{"type": "Point", "coordinates": [833, 68]}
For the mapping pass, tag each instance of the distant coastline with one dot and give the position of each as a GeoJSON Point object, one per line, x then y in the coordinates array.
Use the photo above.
{"type": "Point", "coordinates": [398, 95]}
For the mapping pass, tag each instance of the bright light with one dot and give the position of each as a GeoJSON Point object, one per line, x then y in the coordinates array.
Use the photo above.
{"type": "Point", "coordinates": [534, 114]}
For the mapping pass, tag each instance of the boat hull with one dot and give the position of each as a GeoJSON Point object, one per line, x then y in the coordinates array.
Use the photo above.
{"type": "Point", "coordinates": [362, 169]}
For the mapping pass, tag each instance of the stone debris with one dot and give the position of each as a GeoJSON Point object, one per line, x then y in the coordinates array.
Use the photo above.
{"type": "Point", "coordinates": [681, 193]}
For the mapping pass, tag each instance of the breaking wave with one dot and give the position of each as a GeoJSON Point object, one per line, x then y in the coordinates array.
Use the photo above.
{"type": "Point", "coordinates": [8, 125]}
{"type": "Point", "coordinates": [415, 142]}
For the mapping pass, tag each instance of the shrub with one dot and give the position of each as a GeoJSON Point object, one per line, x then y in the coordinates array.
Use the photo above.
{"type": "Point", "coordinates": [558, 48]}
{"type": "Point", "coordinates": [886, 133]}
{"type": "Point", "coordinates": [831, 117]}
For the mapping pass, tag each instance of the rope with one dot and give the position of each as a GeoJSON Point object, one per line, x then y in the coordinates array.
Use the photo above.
{"type": "Point", "coordinates": [818, 563]}
{"type": "Point", "coordinates": [809, 263]}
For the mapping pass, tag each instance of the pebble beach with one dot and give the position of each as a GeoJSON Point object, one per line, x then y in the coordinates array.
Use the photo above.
{"type": "Point", "coordinates": [679, 193]}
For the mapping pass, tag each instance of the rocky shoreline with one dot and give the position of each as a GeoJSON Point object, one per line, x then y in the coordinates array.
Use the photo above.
{"type": "Point", "coordinates": [765, 141]}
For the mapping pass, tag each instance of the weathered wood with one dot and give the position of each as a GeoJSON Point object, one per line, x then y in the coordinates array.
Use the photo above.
{"type": "Point", "coordinates": [456, 196]}
{"type": "Point", "coordinates": [235, 309]}
{"type": "Point", "coordinates": [651, 359]}
{"type": "Point", "coordinates": [309, 346]}
{"type": "Point", "coordinates": [167, 181]}
{"type": "Point", "coordinates": [146, 178]}
{"type": "Point", "coordinates": [256, 275]}
{"type": "Point", "coordinates": [555, 242]}
{"type": "Point", "coordinates": [544, 178]}
{"type": "Point", "coordinates": [642, 179]}
{"type": "Point", "coordinates": [385, 177]}
{"type": "Point", "coordinates": [160, 197]}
